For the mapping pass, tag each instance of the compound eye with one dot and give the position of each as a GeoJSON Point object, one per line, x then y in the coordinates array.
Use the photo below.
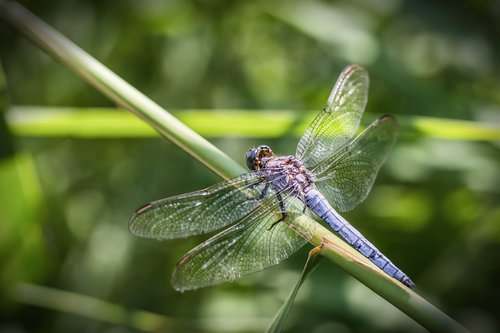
{"type": "Point", "coordinates": [264, 151]}
{"type": "Point", "coordinates": [251, 159]}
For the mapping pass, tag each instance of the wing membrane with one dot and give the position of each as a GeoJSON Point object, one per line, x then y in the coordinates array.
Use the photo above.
{"type": "Point", "coordinates": [199, 212]}
{"type": "Point", "coordinates": [347, 177]}
{"type": "Point", "coordinates": [337, 123]}
{"type": "Point", "coordinates": [247, 247]}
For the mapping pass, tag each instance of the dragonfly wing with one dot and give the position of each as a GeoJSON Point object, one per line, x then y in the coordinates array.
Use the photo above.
{"type": "Point", "coordinates": [199, 212]}
{"type": "Point", "coordinates": [249, 246]}
{"type": "Point", "coordinates": [337, 123]}
{"type": "Point", "coordinates": [347, 177]}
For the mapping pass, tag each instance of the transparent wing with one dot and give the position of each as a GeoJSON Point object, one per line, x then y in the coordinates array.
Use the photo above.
{"type": "Point", "coordinates": [346, 178]}
{"type": "Point", "coordinates": [337, 123]}
{"type": "Point", "coordinates": [201, 211]}
{"type": "Point", "coordinates": [247, 247]}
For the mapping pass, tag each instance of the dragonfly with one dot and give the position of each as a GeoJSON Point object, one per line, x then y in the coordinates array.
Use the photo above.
{"type": "Point", "coordinates": [253, 216]}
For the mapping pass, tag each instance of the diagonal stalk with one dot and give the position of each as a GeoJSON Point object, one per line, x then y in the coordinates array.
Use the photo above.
{"type": "Point", "coordinates": [89, 69]}
{"type": "Point", "coordinates": [114, 87]}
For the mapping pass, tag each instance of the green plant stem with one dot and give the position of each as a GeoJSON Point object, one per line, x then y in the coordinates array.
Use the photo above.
{"type": "Point", "coordinates": [126, 96]}
{"type": "Point", "coordinates": [114, 87]}
{"type": "Point", "coordinates": [393, 291]}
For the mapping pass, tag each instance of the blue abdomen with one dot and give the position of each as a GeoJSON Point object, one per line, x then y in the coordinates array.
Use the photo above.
{"type": "Point", "coordinates": [317, 203]}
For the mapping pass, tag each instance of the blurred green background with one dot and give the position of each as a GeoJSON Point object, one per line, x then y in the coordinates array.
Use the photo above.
{"type": "Point", "coordinates": [67, 260]}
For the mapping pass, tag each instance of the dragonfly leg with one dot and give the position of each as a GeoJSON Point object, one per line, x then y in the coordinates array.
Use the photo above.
{"type": "Point", "coordinates": [262, 194]}
{"type": "Point", "coordinates": [282, 208]}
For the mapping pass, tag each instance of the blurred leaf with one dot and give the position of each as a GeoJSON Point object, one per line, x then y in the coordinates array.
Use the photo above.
{"type": "Point", "coordinates": [89, 307]}
{"type": "Point", "coordinates": [20, 210]}
{"type": "Point", "coordinates": [6, 141]}
{"type": "Point", "coordinates": [279, 320]}
{"type": "Point", "coordinates": [111, 123]}
{"type": "Point", "coordinates": [450, 128]}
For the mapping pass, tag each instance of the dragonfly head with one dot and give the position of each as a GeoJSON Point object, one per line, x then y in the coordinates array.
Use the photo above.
{"type": "Point", "coordinates": [254, 156]}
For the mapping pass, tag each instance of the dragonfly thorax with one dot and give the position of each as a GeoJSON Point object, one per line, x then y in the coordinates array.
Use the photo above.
{"type": "Point", "coordinates": [287, 174]}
